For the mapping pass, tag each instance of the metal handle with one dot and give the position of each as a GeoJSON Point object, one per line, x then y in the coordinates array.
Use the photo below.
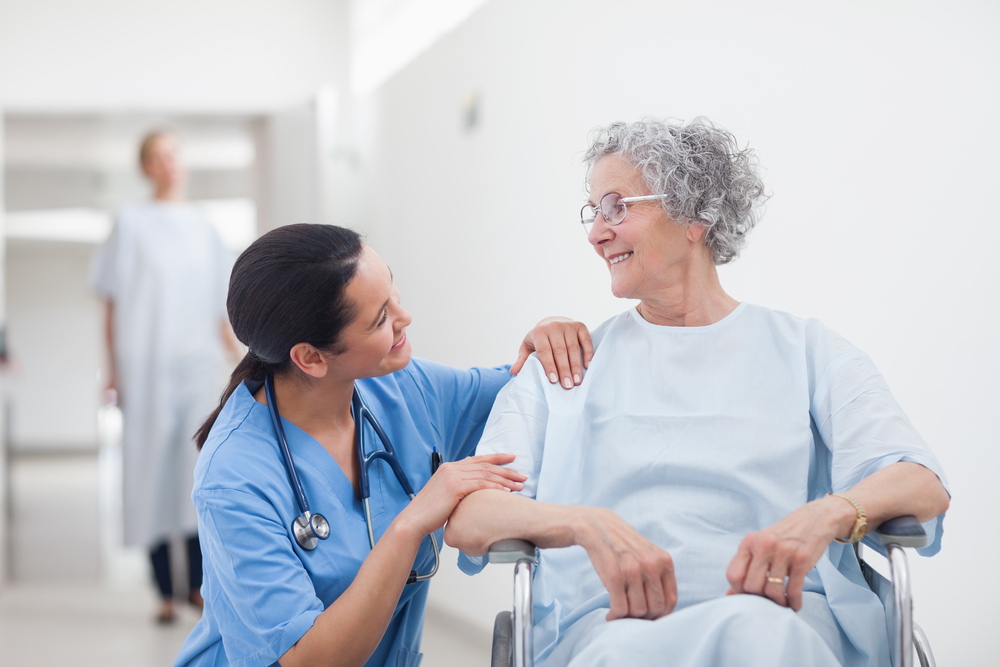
{"type": "Point", "coordinates": [524, 649]}
{"type": "Point", "coordinates": [902, 613]}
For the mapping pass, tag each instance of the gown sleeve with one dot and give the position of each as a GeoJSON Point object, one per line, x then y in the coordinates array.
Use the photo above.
{"type": "Point", "coordinates": [859, 420]}
{"type": "Point", "coordinates": [246, 544]}
{"type": "Point", "coordinates": [458, 402]}
{"type": "Point", "coordinates": [516, 425]}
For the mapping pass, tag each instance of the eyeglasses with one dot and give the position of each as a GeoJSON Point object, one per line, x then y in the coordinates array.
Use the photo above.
{"type": "Point", "coordinates": [612, 209]}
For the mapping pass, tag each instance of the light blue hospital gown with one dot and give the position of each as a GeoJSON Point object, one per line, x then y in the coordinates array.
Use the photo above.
{"type": "Point", "coordinates": [167, 272]}
{"type": "Point", "coordinates": [262, 591]}
{"type": "Point", "coordinates": [698, 436]}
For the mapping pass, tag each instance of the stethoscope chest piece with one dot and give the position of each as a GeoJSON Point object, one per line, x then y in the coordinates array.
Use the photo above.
{"type": "Point", "coordinates": [309, 531]}
{"type": "Point", "coordinates": [309, 528]}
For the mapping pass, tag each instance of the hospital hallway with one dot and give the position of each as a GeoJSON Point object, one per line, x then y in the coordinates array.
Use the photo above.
{"type": "Point", "coordinates": [72, 600]}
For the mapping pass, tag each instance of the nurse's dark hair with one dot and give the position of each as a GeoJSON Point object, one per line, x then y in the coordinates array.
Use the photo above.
{"type": "Point", "coordinates": [288, 288]}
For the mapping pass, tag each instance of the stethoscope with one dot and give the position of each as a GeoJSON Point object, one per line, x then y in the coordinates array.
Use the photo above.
{"type": "Point", "coordinates": [309, 528]}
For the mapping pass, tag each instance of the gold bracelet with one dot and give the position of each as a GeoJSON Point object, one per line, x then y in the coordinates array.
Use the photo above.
{"type": "Point", "coordinates": [860, 525]}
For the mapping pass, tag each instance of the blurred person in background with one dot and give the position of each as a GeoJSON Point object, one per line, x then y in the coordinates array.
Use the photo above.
{"type": "Point", "coordinates": [163, 275]}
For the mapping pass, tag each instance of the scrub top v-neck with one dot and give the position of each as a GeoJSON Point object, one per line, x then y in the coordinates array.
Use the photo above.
{"type": "Point", "coordinates": [262, 591]}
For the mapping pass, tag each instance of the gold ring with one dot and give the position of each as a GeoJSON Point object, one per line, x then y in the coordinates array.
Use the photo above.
{"type": "Point", "coordinates": [776, 580]}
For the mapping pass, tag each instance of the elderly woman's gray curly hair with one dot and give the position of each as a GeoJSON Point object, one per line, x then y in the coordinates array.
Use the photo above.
{"type": "Point", "coordinates": [705, 177]}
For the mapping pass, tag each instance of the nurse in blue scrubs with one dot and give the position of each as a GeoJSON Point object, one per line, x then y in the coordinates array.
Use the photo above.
{"type": "Point", "coordinates": [319, 313]}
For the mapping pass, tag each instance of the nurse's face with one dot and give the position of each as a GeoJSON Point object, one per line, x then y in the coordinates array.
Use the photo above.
{"type": "Point", "coordinates": [375, 342]}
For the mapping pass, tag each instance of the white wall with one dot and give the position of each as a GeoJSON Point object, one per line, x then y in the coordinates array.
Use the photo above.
{"type": "Point", "coordinates": [4, 481]}
{"type": "Point", "coordinates": [227, 55]}
{"type": "Point", "coordinates": [876, 126]}
{"type": "Point", "coordinates": [55, 330]}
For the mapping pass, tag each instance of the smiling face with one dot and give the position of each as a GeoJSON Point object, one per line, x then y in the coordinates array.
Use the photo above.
{"type": "Point", "coordinates": [648, 252]}
{"type": "Point", "coordinates": [375, 342]}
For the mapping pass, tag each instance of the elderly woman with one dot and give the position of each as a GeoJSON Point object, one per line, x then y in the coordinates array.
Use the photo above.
{"type": "Point", "coordinates": [693, 496]}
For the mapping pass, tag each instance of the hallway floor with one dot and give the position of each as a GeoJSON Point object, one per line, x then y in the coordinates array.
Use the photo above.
{"type": "Point", "coordinates": [64, 606]}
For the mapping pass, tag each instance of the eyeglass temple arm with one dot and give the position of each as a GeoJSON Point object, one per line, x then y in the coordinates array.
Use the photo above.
{"type": "Point", "coordinates": [642, 198]}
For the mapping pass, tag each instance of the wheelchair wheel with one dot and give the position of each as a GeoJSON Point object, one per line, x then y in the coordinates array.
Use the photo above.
{"type": "Point", "coordinates": [503, 640]}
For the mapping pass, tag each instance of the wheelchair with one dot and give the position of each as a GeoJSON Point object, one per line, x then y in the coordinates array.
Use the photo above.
{"type": "Point", "coordinates": [512, 630]}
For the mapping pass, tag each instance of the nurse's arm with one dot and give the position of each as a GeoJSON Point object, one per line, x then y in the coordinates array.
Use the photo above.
{"type": "Point", "coordinates": [638, 574]}
{"type": "Point", "coordinates": [350, 629]}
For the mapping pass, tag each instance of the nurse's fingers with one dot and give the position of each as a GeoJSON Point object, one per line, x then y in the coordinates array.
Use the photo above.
{"type": "Point", "coordinates": [496, 459]}
{"type": "Point", "coordinates": [581, 343]}
{"type": "Point", "coordinates": [522, 356]}
{"type": "Point", "coordinates": [572, 350]}
{"type": "Point", "coordinates": [560, 355]}
{"type": "Point", "coordinates": [559, 343]}
{"type": "Point", "coordinates": [474, 473]}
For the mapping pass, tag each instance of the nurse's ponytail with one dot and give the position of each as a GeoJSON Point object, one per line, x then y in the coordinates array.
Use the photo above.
{"type": "Point", "coordinates": [288, 288]}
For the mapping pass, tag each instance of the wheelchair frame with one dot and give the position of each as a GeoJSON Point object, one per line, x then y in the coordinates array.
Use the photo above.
{"type": "Point", "coordinates": [512, 630]}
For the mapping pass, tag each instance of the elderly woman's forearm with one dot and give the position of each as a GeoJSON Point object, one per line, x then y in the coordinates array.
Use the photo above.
{"type": "Point", "coordinates": [901, 489]}
{"type": "Point", "coordinates": [488, 516]}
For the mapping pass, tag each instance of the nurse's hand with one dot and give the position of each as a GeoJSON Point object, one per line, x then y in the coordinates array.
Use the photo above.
{"type": "Point", "coordinates": [559, 342]}
{"type": "Point", "coordinates": [638, 574]}
{"type": "Point", "coordinates": [774, 562]}
{"type": "Point", "coordinates": [430, 509]}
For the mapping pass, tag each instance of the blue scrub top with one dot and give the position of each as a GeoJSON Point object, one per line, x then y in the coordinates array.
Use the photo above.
{"type": "Point", "coordinates": [262, 591]}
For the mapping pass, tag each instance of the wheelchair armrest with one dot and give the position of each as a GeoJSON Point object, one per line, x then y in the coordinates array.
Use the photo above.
{"type": "Point", "coordinates": [511, 551]}
{"type": "Point", "coordinates": [904, 531]}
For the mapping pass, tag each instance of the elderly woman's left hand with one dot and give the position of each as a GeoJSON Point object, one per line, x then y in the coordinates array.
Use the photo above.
{"type": "Point", "coordinates": [789, 548]}
{"type": "Point", "coordinates": [562, 345]}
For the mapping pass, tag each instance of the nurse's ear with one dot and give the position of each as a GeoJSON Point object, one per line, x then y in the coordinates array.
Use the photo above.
{"type": "Point", "coordinates": [309, 360]}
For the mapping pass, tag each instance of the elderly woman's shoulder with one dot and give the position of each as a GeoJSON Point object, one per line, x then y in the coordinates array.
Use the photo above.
{"type": "Point", "coordinates": [808, 332]}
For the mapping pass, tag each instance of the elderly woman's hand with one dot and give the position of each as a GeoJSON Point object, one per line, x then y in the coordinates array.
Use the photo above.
{"type": "Point", "coordinates": [558, 342]}
{"type": "Point", "coordinates": [789, 548]}
{"type": "Point", "coordinates": [638, 574]}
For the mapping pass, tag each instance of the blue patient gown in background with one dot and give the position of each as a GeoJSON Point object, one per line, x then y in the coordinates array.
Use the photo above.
{"type": "Point", "coordinates": [167, 272]}
{"type": "Point", "coordinates": [262, 590]}
{"type": "Point", "coordinates": [697, 436]}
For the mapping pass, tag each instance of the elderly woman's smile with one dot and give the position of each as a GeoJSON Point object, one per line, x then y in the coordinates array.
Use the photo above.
{"type": "Point", "coordinates": [646, 252]}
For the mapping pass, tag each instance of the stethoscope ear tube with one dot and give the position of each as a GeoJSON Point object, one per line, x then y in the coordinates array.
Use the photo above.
{"type": "Point", "coordinates": [362, 413]}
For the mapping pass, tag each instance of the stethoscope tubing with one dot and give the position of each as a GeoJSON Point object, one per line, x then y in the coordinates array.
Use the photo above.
{"type": "Point", "coordinates": [361, 413]}
{"type": "Point", "coordinates": [286, 453]}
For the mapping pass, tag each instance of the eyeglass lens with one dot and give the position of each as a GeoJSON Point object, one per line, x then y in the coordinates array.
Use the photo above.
{"type": "Point", "coordinates": [612, 209]}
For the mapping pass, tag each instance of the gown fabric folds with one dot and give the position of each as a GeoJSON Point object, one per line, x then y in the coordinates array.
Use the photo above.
{"type": "Point", "coordinates": [167, 272]}
{"type": "Point", "coordinates": [697, 436]}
